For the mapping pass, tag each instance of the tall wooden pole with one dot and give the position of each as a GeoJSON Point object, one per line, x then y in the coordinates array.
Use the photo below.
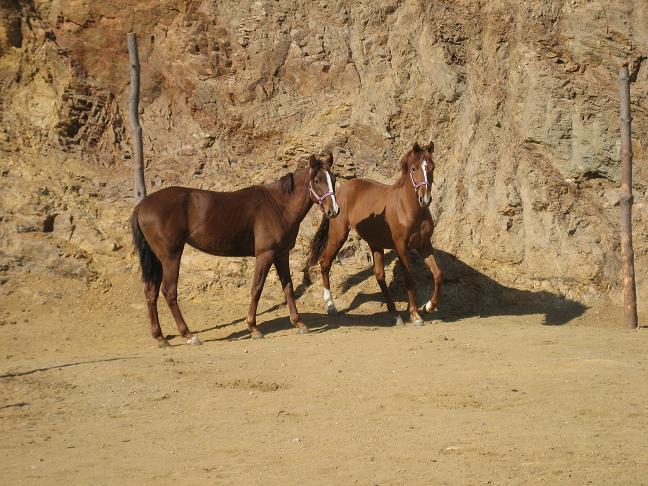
{"type": "Point", "coordinates": [627, 253]}
{"type": "Point", "coordinates": [133, 107]}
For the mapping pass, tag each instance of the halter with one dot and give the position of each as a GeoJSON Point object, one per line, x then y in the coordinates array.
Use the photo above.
{"type": "Point", "coordinates": [320, 199]}
{"type": "Point", "coordinates": [330, 193]}
{"type": "Point", "coordinates": [425, 181]}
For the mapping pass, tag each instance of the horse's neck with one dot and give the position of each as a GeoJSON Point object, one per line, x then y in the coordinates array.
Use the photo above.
{"type": "Point", "coordinates": [407, 194]}
{"type": "Point", "coordinates": [299, 202]}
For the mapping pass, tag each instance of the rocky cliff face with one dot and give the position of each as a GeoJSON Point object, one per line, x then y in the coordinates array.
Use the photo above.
{"type": "Point", "coordinates": [520, 98]}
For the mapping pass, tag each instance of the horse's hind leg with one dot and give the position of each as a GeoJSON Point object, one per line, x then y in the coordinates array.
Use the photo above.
{"type": "Point", "coordinates": [171, 271]}
{"type": "Point", "coordinates": [282, 264]}
{"type": "Point", "coordinates": [379, 272]}
{"type": "Point", "coordinates": [336, 238]}
{"type": "Point", "coordinates": [409, 284]}
{"type": "Point", "coordinates": [261, 267]}
{"type": "Point", "coordinates": [428, 256]}
{"type": "Point", "coordinates": [152, 291]}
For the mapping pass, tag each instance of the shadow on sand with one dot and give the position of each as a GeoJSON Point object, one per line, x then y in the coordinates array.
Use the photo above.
{"type": "Point", "coordinates": [466, 293]}
{"type": "Point", "coordinates": [14, 374]}
{"type": "Point", "coordinates": [317, 323]}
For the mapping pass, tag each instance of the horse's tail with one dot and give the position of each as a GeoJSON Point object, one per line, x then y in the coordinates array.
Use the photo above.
{"type": "Point", "coordinates": [149, 262]}
{"type": "Point", "coordinates": [318, 244]}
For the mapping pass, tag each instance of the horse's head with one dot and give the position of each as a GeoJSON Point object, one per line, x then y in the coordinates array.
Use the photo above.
{"type": "Point", "coordinates": [322, 185]}
{"type": "Point", "coordinates": [418, 166]}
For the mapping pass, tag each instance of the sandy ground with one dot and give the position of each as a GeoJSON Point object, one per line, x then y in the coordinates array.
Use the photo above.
{"type": "Point", "coordinates": [86, 397]}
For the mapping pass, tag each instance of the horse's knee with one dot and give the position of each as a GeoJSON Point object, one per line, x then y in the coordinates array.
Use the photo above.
{"type": "Point", "coordinates": [325, 266]}
{"type": "Point", "coordinates": [170, 294]}
{"type": "Point", "coordinates": [256, 291]}
{"type": "Point", "coordinates": [151, 292]}
{"type": "Point", "coordinates": [151, 297]}
{"type": "Point", "coordinates": [380, 274]}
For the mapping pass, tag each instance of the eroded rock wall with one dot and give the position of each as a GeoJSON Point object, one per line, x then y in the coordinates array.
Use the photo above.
{"type": "Point", "coordinates": [520, 98]}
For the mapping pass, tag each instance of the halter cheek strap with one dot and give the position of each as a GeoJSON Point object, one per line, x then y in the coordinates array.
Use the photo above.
{"type": "Point", "coordinates": [425, 179]}
{"type": "Point", "coordinates": [320, 199]}
{"type": "Point", "coordinates": [418, 184]}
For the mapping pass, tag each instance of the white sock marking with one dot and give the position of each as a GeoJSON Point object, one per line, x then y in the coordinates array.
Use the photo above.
{"type": "Point", "coordinates": [328, 298]}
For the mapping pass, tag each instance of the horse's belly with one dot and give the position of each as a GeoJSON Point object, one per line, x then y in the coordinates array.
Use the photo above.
{"type": "Point", "coordinates": [377, 236]}
{"type": "Point", "coordinates": [225, 245]}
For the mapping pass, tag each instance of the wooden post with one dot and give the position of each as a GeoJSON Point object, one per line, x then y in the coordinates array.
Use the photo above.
{"type": "Point", "coordinates": [627, 253]}
{"type": "Point", "coordinates": [133, 107]}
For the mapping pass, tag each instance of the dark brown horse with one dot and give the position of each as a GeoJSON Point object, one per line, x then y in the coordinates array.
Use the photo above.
{"type": "Point", "coordinates": [394, 217]}
{"type": "Point", "coordinates": [260, 221]}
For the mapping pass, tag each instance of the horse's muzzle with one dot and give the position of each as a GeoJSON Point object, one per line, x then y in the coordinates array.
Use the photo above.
{"type": "Point", "coordinates": [332, 213]}
{"type": "Point", "coordinates": [424, 201]}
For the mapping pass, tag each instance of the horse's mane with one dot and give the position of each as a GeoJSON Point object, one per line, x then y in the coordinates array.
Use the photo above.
{"type": "Point", "coordinates": [287, 183]}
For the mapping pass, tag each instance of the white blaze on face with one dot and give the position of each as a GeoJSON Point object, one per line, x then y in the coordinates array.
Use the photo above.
{"type": "Point", "coordinates": [424, 168]}
{"type": "Point", "coordinates": [330, 187]}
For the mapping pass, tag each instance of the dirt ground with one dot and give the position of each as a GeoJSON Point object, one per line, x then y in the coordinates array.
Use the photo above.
{"type": "Point", "coordinates": [86, 397]}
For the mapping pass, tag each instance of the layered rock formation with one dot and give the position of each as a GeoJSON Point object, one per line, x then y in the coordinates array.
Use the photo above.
{"type": "Point", "coordinates": [520, 98]}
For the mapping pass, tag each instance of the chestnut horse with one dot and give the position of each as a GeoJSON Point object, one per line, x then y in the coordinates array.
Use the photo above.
{"type": "Point", "coordinates": [394, 217]}
{"type": "Point", "coordinates": [260, 221]}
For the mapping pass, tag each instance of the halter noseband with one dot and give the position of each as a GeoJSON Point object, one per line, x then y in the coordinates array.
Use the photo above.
{"type": "Point", "coordinates": [418, 184]}
{"type": "Point", "coordinates": [320, 199]}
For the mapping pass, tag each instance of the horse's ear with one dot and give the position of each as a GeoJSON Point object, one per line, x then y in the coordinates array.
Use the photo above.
{"type": "Point", "coordinates": [312, 161]}
{"type": "Point", "coordinates": [416, 147]}
{"type": "Point", "coordinates": [329, 159]}
{"type": "Point", "coordinates": [430, 147]}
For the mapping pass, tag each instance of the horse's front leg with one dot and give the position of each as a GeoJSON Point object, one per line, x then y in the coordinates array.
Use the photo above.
{"type": "Point", "coordinates": [415, 318]}
{"type": "Point", "coordinates": [261, 267]}
{"type": "Point", "coordinates": [379, 273]}
{"type": "Point", "coordinates": [282, 264]}
{"type": "Point", "coordinates": [427, 253]}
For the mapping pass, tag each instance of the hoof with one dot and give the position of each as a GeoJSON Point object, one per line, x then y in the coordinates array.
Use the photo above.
{"type": "Point", "coordinates": [331, 310]}
{"type": "Point", "coordinates": [164, 344]}
{"type": "Point", "coordinates": [399, 321]}
{"type": "Point", "coordinates": [418, 322]}
{"type": "Point", "coordinates": [257, 335]}
{"type": "Point", "coordinates": [194, 341]}
{"type": "Point", "coordinates": [302, 330]}
{"type": "Point", "coordinates": [429, 307]}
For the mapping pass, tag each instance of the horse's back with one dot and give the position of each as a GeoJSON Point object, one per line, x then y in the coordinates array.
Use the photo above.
{"type": "Point", "coordinates": [220, 223]}
{"type": "Point", "coordinates": [362, 194]}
